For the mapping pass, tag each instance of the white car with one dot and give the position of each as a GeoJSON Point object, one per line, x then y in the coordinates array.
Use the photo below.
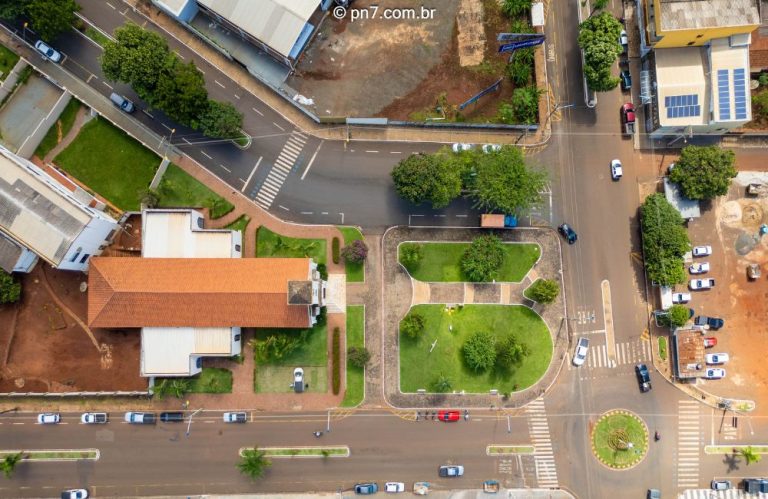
{"type": "Point", "coordinates": [582, 348]}
{"type": "Point", "coordinates": [47, 51]}
{"type": "Point", "coordinates": [394, 487]}
{"type": "Point", "coordinates": [235, 417]}
{"type": "Point", "coordinates": [624, 40]}
{"type": "Point", "coordinates": [459, 146]}
{"type": "Point", "coordinates": [714, 359]}
{"type": "Point", "coordinates": [681, 298]}
{"type": "Point", "coordinates": [715, 373]}
{"type": "Point", "coordinates": [298, 380]}
{"type": "Point", "coordinates": [702, 250]}
{"type": "Point", "coordinates": [74, 494]}
{"type": "Point", "coordinates": [697, 284]}
{"type": "Point", "coordinates": [616, 170]}
{"type": "Point", "coordinates": [48, 418]}
{"type": "Point", "coordinates": [94, 418]}
{"type": "Point", "coordinates": [699, 268]}
{"type": "Point", "coordinates": [487, 148]}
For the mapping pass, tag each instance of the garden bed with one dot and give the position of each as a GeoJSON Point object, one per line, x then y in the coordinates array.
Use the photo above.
{"type": "Point", "coordinates": [355, 271]}
{"type": "Point", "coordinates": [272, 244]}
{"type": "Point", "coordinates": [355, 335]}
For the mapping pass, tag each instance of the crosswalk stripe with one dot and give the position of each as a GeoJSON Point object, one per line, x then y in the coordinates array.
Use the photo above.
{"type": "Point", "coordinates": [279, 172]}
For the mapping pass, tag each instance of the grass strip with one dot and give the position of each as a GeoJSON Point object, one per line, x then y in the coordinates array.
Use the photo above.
{"type": "Point", "coordinates": [8, 60]}
{"type": "Point", "coordinates": [54, 454]}
{"type": "Point", "coordinates": [355, 271]}
{"type": "Point", "coordinates": [63, 124]}
{"type": "Point", "coordinates": [96, 35]}
{"type": "Point", "coordinates": [336, 359]}
{"type": "Point", "coordinates": [662, 348]}
{"type": "Point", "coordinates": [212, 380]}
{"type": "Point", "coordinates": [508, 450]}
{"type": "Point", "coordinates": [732, 449]}
{"type": "Point", "coordinates": [355, 389]}
{"type": "Point", "coordinates": [303, 451]}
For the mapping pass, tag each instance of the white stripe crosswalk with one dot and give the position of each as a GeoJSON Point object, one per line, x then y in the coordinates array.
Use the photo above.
{"type": "Point", "coordinates": [544, 458]}
{"type": "Point", "coordinates": [719, 494]}
{"type": "Point", "coordinates": [688, 443]}
{"type": "Point", "coordinates": [282, 167]}
{"type": "Point", "coordinates": [628, 352]}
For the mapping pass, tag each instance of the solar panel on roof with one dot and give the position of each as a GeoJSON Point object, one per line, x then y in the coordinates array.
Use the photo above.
{"type": "Point", "coordinates": [682, 106]}
{"type": "Point", "coordinates": [740, 93]}
{"type": "Point", "coordinates": [723, 95]}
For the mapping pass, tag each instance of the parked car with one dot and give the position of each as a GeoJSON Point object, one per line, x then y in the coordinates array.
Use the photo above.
{"type": "Point", "coordinates": [235, 417]}
{"type": "Point", "coordinates": [450, 471]}
{"type": "Point", "coordinates": [172, 417]}
{"type": "Point", "coordinates": [140, 417]}
{"type": "Point", "coordinates": [47, 51]}
{"type": "Point", "coordinates": [721, 485]}
{"type": "Point", "coordinates": [448, 416]}
{"type": "Point", "coordinates": [582, 348]}
{"type": "Point", "coordinates": [487, 148]}
{"type": "Point", "coordinates": [298, 380]}
{"type": "Point", "coordinates": [702, 250]}
{"type": "Point", "coordinates": [710, 322]}
{"type": "Point", "coordinates": [699, 268]}
{"type": "Point", "coordinates": [710, 341]}
{"type": "Point", "coordinates": [714, 359]}
{"type": "Point", "coordinates": [753, 271]}
{"type": "Point", "coordinates": [74, 494]}
{"type": "Point", "coordinates": [94, 418]}
{"type": "Point", "coordinates": [755, 485]}
{"type": "Point", "coordinates": [459, 146]}
{"type": "Point", "coordinates": [653, 494]}
{"type": "Point", "coordinates": [697, 284]}
{"type": "Point", "coordinates": [643, 377]}
{"type": "Point", "coordinates": [568, 233]}
{"type": "Point", "coordinates": [124, 104]}
{"type": "Point", "coordinates": [366, 489]}
{"type": "Point", "coordinates": [715, 373]}
{"type": "Point", "coordinates": [616, 170]}
{"type": "Point", "coordinates": [394, 487]}
{"type": "Point", "coordinates": [628, 118]}
{"type": "Point", "coordinates": [678, 298]}
{"type": "Point", "coordinates": [624, 41]}
{"type": "Point", "coordinates": [48, 418]}
{"type": "Point", "coordinates": [626, 80]}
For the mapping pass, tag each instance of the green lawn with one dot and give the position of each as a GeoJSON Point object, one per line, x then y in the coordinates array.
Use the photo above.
{"type": "Point", "coordinates": [619, 427]}
{"type": "Point", "coordinates": [419, 368]}
{"type": "Point", "coordinates": [355, 338]}
{"type": "Point", "coordinates": [178, 189]}
{"type": "Point", "coordinates": [212, 380]}
{"type": "Point", "coordinates": [270, 243]}
{"type": "Point", "coordinates": [275, 374]}
{"type": "Point", "coordinates": [96, 36]}
{"type": "Point", "coordinates": [302, 451]}
{"type": "Point", "coordinates": [8, 60]}
{"type": "Point", "coordinates": [64, 123]}
{"type": "Point", "coordinates": [110, 163]}
{"type": "Point", "coordinates": [442, 262]}
{"type": "Point", "coordinates": [355, 271]}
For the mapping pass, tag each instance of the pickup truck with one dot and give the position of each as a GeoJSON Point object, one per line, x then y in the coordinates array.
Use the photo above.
{"type": "Point", "coordinates": [94, 418]}
{"type": "Point", "coordinates": [697, 284]}
{"type": "Point", "coordinates": [628, 118]}
{"type": "Point", "coordinates": [140, 417]}
{"type": "Point", "coordinates": [497, 221]}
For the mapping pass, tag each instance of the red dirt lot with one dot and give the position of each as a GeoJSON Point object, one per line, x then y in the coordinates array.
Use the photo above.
{"type": "Point", "coordinates": [49, 351]}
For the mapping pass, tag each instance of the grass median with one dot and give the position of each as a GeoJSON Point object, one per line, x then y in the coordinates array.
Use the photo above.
{"type": "Point", "coordinates": [321, 452]}
{"type": "Point", "coordinates": [355, 338]}
{"type": "Point", "coordinates": [54, 454]}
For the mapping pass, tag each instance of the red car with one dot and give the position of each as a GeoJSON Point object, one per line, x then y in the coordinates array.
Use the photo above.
{"type": "Point", "coordinates": [710, 341]}
{"type": "Point", "coordinates": [449, 416]}
{"type": "Point", "coordinates": [628, 118]}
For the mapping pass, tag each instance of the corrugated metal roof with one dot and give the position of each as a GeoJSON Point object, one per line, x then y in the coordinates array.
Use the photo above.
{"type": "Point", "coordinates": [697, 14]}
{"type": "Point", "coordinates": [171, 234]}
{"type": "Point", "coordinates": [9, 253]}
{"type": "Point", "coordinates": [167, 351]}
{"type": "Point", "coordinates": [278, 23]}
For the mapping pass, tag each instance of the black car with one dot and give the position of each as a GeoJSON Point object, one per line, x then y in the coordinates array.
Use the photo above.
{"type": "Point", "coordinates": [626, 80]}
{"type": "Point", "coordinates": [643, 377]}
{"type": "Point", "coordinates": [568, 233]}
{"type": "Point", "coordinates": [713, 322]}
{"type": "Point", "coordinates": [171, 417]}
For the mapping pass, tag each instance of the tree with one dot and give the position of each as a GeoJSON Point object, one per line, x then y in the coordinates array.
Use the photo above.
{"type": "Point", "coordinates": [358, 356]}
{"type": "Point", "coordinates": [49, 18]}
{"type": "Point", "coordinates": [137, 57]}
{"type": "Point", "coordinates": [253, 463]}
{"type": "Point", "coordinates": [599, 38]}
{"type": "Point", "coordinates": [480, 351]}
{"type": "Point", "coordinates": [221, 120]}
{"type": "Point", "coordinates": [510, 352]}
{"type": "Point", "coordinates": [412, 325]}
{"type": "Point", "coordinates": [678, 315]}
{"type": "Point", "coordinates": [11, 9]}
{"type": "Point", "coordinates": [504, 183]}
{"type": "Point", "coordinates": [704, 172]}
{"type": "Point", "coordinates": [355, 252]}
{"type": "Point", "coordinates": [483, 259]}
{"type": "Point", "coordinates": [543, 291]}
{"type": "Point", "coordinates": [665, 241]}
{"type": "Point", "coordinates": [10, 290]}
{"type": "Point", "coordinates": [598, 5]}
{"type": "Point", "coordinates": [181, 92]}
{"type": "Point", "coordinates": [411, 255]}
{"type": "Point", "coordinates": [8, 464]}
{"type": "Point", "coordinates": [516, 8]}
{"type": "Point", "coordinates": [427, 177]}
{"type": "Point", "coordinates": [442, 384]}
{"type": "Point", "coordinates": [750, 456]}
{"type": "Point", "coordinates": [523, 108]}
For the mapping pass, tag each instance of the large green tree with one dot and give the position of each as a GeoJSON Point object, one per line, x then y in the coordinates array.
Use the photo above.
{"type": "Point", "coordinates": [480, 351]}
{"type": "Point", "coordinates": [599, 38]}
{"type": "Point", "coordinates": [665, 241]}
{"type": "Point", "coordinates": [504, 183]}
{"type": "Point", "coordinates": [427, 177]}
{"type": "Point", "coordinates": [221, 120]}
{"type": "Point", "coordinates": [412, 325]}
{"type": "Point", "coordinates": [10, 289]}
{"type": "Point", "coordinates": [253, 463]}
{"type": "Point", "coordinates": [11, 9]}
{"type": "Point", "coordinates": [483, 259]}
{"type": "Point", "coordinates": [8, 464]}
{"type": "Point", "coordinates": [704, 172]}
{"type": "Point", "coordinates": [678, 315]}
{"type": "Point", "coordinates": [50, 18]}
{"type": "Point", "coordinates": [180, 92]}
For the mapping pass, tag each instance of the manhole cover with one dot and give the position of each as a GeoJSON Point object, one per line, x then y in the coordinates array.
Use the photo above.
{"type": "Point", "coordinates": [745, 243]}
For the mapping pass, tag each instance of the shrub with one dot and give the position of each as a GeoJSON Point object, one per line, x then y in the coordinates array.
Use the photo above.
{"type": "Point", "coordinates": [543, 291]}
{"type": "Point", "coordinates": [149, 198]}
{"type": "Point", "coordinates": [677, 315]}
{"type": "Point", "coordinates": [480, 351]}
{"type": "Point", "coordinates": [516, 8]}
{"type": "Point", "coordinates": [10, 290]}
{"type": "Point", "coordinates": [510, 352]}
{"type": "Point", "coordinates": [177, 387]}
{"type": "Point", "coordinates": [355, 252]}
{"type": "Point", "coordinates": [411, 255]}
{"type": "Point", "coordinates": [442, 384]}
{"type": "Point", "coordinates": [763, 79]}
{"type": "Point", "coordinates": [336, 355]}
{"type": "Point", "coordinates": [335, 250]}
{"type": "Point", "coordinates": [412, 325]}
{"type": "Point", "coordinates": [358, 356]}
{"type": "Point", "coordinates": [483, 259]}
{"type": "Point", "coordinates": [322, 269]}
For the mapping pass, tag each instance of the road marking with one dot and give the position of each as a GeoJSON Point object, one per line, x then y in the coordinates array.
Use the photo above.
{"type": "Point", "coordinates": [323, 212]}
{"type": "Point", "coordinates": [228, 170]}
{"type": "Point", "coordinates": [312, 160]}
{"type": "Point", "coordinates": [147, 113]}
{"type": "Point", "coordinates": [252, 172]}
{"type": "Point", "coordinates": [307, 212]}
{"type": "Point", "coordinates": [462, 216]}
{"type": "Point", "coordinates": [283, 207]}
{"type": "Point", "coordinates": [372, 151]}
{"type": "Point", "coordinates": [185, 140]}
{"type": "Point", "coordinates": [92, 76]}
{"type": "Point", "coordinates": [236, 96]}
{"type": "Point", "coordinates": [257, 111]}
{"type": "Point", "coordinates": [180, 56]}
{"type": "Point", "coordinates": [18, 423]}
{"type": "Point", "coordinates": [111, 5]}
{"type": "Point", "coordinates": [167, 127]}
{"type": "Point", "coordinates": [108, 85]}
{"type": "Point", "coordinates": [284, 164]}
{"type": "Point", "coordinates": [219, 84]}
{"type": "Point", "coordinates": [206, 154]}
{"type": "Point", "coordinates": [278, 126]}
{"type": "Point", "coordinates": [395, 152]}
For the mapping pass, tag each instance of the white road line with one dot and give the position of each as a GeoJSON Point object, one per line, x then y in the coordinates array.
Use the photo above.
{"type": "Point", "coordinates": [311, 160]}
{"type": "Point", "coordinates": [185, 140]}
{"type": "Point", "coordinates": [147, 113]}
{"type": "Point", "coordinates": [206, 154]}
{"type": "Point", "coordinates": [322, 213]}
{"type": "Point", "coordinates": [228, 170]}
{"type": "Point", "coordinates": [252, 172]}
{"type": "Point", "coordinates": [395, 152]}
{"type": "Point", "coordinates": [236, 96]}
{"type": "Point", "coordinates": [219, 84]}
{"type": "Point", "coordinates": [278, 126]}
{"type": "Point", "coordinates": [283, 207]}
{"type": "Point", "coordinates": [372, 151]}
{"type": "Point", "coordinates": [462, 216]}
{"type": "Point", "coordinates": [167, 127]}
{"type": "Point", "coordinates": [307, 213]}
{"type": "Point", "coordinates": [113, 7]}
{"type": "Point", "coordinates": [108, 85]}
{"type": "Point", "coordinates": [257, 111]}
{"type": "Point", "coordinates": [180, 56]}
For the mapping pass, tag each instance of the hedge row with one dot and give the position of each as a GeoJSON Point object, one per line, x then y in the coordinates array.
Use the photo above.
{"type": "Point", "coordinates": [335, 249]}
{"type": "Point", "coordinates": [336, 354]}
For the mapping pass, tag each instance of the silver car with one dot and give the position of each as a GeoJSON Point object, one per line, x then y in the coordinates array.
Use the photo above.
{"type": "Point", "coordinates": [47, 51]}
{"type": "Point", "coordinates": [582, 348]}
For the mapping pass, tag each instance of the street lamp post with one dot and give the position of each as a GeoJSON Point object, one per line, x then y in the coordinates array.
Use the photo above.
{"type": "Point", "coordinates": [546, 120]}
{"type": "Point", "coordinates": [24, 34]}
{"type": "Point", "coordinates": [189, 425]}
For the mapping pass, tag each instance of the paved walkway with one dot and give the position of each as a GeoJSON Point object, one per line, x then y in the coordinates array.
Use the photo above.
{"type": "Point", "coordinates": [83, 116]}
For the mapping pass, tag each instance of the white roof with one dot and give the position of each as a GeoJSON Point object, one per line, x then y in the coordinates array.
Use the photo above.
{"type": "Point", "coordinates": [174, 6]}
{"type": "Point", "coordinates": [174, 234]}
{"type": "Point", "coordinates": [682, 86]}
{"type": "Point", "coordinates": [37, 211]}
{"type": "Point", "coordinates": [278, 23]}
{"type": "Point", "coordinates": [167, 351]}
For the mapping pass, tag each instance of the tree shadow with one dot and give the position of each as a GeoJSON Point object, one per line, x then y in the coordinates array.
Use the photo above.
{"type": "Point", "coordinates": [732, 462]}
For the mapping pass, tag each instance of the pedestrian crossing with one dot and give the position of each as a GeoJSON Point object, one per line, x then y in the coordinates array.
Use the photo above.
{"type": "Point", "coordinates": [544, 458]}
{"type": "Point", "coordinates": [688, 443]}
{"type": "Point", "coordinates": [718, 494]}
{"type": "Point", "coordinates": [282, 167]}
{"type": "Point", "coordinates": [628, 352]}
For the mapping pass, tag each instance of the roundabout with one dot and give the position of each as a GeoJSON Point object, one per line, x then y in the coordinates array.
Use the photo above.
{"type": "Point", "coordinates": [619, 439]}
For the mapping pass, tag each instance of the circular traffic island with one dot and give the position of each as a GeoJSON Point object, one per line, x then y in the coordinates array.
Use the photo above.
{"type": "Point", "coordinates": [620, 439]}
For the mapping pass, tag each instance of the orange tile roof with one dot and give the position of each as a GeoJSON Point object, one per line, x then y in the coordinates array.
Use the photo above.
{"type": "Point", "coordinates": [194, 292]}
